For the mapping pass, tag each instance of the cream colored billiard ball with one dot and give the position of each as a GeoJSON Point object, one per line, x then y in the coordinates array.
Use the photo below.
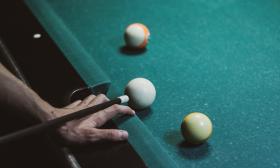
{"type": "Point", "coordinates": [141, 93]}
{"type": "Point", "coordinates": [196, 128]}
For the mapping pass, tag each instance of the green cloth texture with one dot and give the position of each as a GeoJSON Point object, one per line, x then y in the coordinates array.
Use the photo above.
{"type": "Point", "coordinates": [219, 57]}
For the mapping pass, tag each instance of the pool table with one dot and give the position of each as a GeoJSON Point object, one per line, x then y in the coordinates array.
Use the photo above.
{"type": "Point", "coordinates": [221, 58]}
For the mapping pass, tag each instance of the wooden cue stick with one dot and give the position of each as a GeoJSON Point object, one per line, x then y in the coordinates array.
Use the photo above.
{"type": "Point", "coordinates": [51, 124]}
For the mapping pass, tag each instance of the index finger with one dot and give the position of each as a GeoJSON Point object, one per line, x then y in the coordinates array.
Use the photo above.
{"type": "Point", "coordinates": [103, 116]}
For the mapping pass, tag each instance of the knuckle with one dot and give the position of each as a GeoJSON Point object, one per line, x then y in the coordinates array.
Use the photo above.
{"type": "Point", "coordinates": [83, 103]}
{"type": "Point", "coordinates": [97, 121]}
{"type": "Point", "coordinates": [116, 107]}
{"type": "Point", "coordinates": [91, 95]}
{"type": "Point", "coordinates": [102, 96]}
{"type": "Point", "coordinates": [94, 124]}
{"type": "Point", "coordinates": [80, 129]}
{"type": "Point", "coordinates": [63, 129]}
{"type": "Point", "coordinates": [126, 108]}
{"type": "Point", "coordinates": [111, 134]}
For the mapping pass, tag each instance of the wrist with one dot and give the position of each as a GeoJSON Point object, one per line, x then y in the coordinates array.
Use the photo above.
{"type": "Point", "coordinates": [46, 112]}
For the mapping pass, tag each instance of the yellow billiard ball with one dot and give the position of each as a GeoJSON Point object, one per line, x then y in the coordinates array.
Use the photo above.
{"type": "Point", "coordinates": [196, 128]}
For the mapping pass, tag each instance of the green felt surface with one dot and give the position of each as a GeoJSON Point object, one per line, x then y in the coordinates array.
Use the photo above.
{"type": "Point", "coordinates": [221, 57]}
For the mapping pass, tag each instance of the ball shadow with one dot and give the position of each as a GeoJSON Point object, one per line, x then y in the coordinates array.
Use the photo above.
{"type": "Point", "coordinates": [194, 152]}
{"type": "Point", "coordinates": [132, 51]}
{"type": "Point", "coordinates": [144, 113]}
{"type": "Point", "coordinates": [185, 149]}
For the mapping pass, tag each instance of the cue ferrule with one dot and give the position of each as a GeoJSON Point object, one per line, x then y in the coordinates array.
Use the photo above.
{"type": "Point", "coordinates": [124, 99]}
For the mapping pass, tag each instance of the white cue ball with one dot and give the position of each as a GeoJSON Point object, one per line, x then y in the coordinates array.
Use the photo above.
{"type": "Point", "coordinates": [137, 36]}
{"type": "Point", "coordinates": [141, 93]}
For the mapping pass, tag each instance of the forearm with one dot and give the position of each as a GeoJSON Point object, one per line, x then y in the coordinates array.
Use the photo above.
{"type": "Point", "coordinates": [15, 94]}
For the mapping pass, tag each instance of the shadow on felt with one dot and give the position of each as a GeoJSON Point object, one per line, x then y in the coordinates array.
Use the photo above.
{"type": "Point", "coordinates": [132, 51]}
{"type": "Point", "coordinates": [185, 149]}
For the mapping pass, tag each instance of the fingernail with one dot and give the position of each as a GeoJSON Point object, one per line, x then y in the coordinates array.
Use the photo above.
{"type": "Point", "coordinates": [124, 134]}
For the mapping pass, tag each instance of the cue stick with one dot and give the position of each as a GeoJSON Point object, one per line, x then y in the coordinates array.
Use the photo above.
{"type": "Point", "coordinates": [54, 123]}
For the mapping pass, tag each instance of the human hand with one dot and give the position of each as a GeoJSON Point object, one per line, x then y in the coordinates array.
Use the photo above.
{"type": "Point", "coordinates": [87, 129]}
